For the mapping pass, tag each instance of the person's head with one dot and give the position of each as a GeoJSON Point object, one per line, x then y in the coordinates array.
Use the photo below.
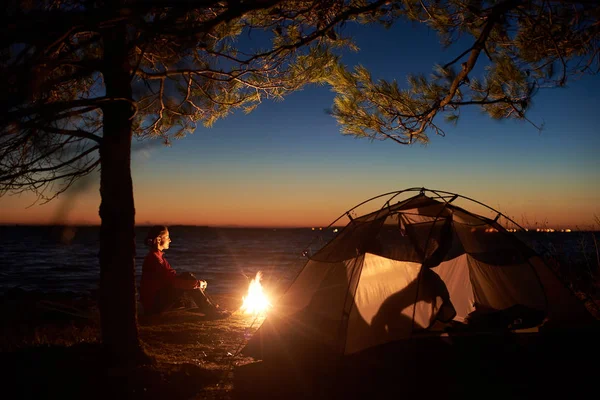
{"type": "Point", "coordinates": [158, 237]}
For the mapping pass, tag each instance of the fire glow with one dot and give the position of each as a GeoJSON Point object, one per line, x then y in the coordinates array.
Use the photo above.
{"type": "Point", "coordinates": [256, 301]}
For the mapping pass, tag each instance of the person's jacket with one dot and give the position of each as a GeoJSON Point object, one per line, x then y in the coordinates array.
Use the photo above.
{"type": "Point", "coordinates": [157, 274]}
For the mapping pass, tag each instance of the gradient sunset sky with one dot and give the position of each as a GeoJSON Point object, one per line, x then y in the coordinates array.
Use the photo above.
{"type": "Point", "coordinates": [286, 164]}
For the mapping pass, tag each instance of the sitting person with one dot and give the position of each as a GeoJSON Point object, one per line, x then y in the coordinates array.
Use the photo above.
{"type": "Point", "coordinates": [161, 287]}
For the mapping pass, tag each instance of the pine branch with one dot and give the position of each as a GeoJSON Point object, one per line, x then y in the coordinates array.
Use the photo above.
{"type": "Point", "coordinates": [496, 13]}
{"type": "Point", "coordinates": [32, 171]}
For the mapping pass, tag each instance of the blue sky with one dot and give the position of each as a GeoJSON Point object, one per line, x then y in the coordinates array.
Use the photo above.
{"type": "Point", "coordinates": [287, 163]}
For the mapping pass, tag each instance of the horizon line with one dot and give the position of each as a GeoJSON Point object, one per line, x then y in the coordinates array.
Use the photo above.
{"type": "Point", "coordinates": [231, 226]}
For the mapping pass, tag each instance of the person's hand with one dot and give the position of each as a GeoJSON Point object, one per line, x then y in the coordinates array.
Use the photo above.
{"type": "Point", "coordinates": [202, 284]}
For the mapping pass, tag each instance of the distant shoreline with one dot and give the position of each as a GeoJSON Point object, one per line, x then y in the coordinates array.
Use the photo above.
{"type": "Point", "coordinates": [172, 226]}
{"type": "Point", "coordinates": [338, 227]}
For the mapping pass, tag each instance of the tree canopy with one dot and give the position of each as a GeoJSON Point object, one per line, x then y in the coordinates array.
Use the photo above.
{"type": "Point", "coordinates": [521, 47]}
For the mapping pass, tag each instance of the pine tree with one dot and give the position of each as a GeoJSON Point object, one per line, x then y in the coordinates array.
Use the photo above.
{"type": "Point", "coordinates": [105, 71]}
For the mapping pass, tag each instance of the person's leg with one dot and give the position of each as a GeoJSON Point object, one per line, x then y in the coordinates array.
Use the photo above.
{"type": "Point", "coordinates": [166, 299]}
{"type": "Point", "coordinates": [204, 304]}
{"type": "Point", "coordinates": [201, 300]}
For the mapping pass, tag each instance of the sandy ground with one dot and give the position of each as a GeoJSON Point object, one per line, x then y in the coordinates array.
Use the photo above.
{"type": "Point", "coordinates": [185, 337]}
{"type": "Point", "coordinates": [49, 348]}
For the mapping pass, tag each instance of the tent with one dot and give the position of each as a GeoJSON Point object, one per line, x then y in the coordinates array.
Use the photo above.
{"type": "Point", "coordinates": [417, 266]}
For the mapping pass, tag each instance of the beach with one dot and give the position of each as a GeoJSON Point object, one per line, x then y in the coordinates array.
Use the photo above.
{"type": "Point", "coordinates": [55, 354]}
{"type": "Point", "coordinates": [50, 350]}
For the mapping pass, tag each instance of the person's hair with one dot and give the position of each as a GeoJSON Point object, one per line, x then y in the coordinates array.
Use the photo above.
{"type": "Point", "coordinates": [153, 233]}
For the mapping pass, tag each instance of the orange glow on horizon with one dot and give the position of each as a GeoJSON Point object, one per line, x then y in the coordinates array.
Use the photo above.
{"type": "Point", "coordinates": [280, 210]}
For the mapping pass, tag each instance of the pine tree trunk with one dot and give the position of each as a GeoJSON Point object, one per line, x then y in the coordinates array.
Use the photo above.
{"type": "Point", "coordinates": [118, 311]}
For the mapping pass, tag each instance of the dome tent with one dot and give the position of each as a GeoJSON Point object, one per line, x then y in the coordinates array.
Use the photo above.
{"type": "Point", "coordinates": [390, 274]}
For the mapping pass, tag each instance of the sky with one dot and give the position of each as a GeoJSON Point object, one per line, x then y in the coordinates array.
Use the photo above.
{"type": "Point", "coordinates": [287, 165]}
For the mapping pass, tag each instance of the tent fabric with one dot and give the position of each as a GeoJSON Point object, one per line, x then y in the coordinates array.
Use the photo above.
{"type": "Point", "coordinates": [391, 274]}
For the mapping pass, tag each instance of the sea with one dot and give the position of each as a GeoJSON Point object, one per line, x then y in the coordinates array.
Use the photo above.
{"type": "Point", "coordinates": [65, 259]}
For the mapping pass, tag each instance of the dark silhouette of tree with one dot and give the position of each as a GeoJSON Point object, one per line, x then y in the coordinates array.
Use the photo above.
{"type": "Point", "coordinates": [81, 78]}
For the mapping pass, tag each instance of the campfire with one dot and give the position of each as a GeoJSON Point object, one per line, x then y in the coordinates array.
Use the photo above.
{"type": "Point", "coordinates": [256, 301]}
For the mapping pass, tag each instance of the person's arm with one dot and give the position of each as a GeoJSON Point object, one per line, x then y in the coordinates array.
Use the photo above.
{"type": "Point", "coordinates": [174, 280]}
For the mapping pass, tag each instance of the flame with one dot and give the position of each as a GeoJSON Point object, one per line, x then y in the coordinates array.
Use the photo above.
{"type": "Point", "coordinates": [256, 301]}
